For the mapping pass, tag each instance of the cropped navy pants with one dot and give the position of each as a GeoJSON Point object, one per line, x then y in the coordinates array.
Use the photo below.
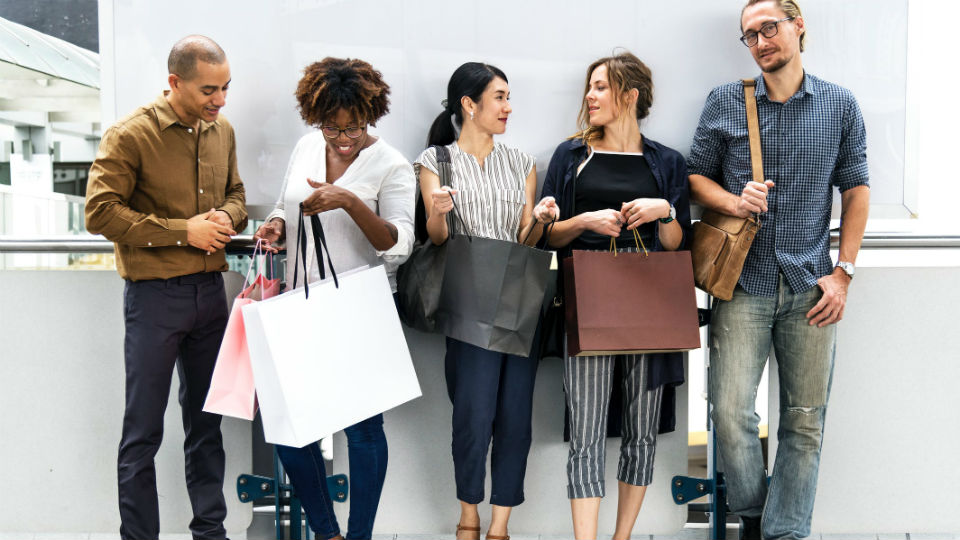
{"type": "Point", "coordinates": [492, 395]}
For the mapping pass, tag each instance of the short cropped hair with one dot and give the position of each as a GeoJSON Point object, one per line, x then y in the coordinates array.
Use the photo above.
{"type": "Point", "coordinates": [192, 49]}
{"type": "Point", "coordinates": [342, 83]}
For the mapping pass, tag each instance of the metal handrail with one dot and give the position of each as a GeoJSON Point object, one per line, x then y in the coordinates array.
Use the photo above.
{"type": "Point", "coordinates": [242, 244]}
{"type": "Point", "coordinates": [239, 245]}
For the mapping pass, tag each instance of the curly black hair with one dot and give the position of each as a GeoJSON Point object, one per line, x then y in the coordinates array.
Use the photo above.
{"type": "Point", "coordinates": [342, 83]}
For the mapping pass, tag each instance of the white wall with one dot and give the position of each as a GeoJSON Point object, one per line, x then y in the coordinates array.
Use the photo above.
{"type": "Point", "coordinates": [891, 439]}
{"type": "Point", "coordinates": [63, 395]}
{"type": "Point", "coordinates": [543, 46]}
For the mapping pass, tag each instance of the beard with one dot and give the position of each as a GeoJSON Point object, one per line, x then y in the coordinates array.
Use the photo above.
{"type": "Point", "coordinates": [777, 65]}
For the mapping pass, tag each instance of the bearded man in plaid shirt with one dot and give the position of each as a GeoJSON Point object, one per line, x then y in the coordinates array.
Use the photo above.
{"type": "Point", "coordinates": [790, 294]}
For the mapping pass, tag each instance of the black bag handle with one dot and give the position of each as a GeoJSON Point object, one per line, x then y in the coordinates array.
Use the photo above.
{"type": "Point", "coordinates": [319, 245]}
{"type": "Point", "coordinates": [444, 168]}
{"type": "Point", "coordinates": [546, 233]}
{"type": "Point", "coordinates": [444, 173]}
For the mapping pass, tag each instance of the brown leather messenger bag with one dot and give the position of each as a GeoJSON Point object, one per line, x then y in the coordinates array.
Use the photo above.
{"type": "Point", "coordinates": [721, 242]}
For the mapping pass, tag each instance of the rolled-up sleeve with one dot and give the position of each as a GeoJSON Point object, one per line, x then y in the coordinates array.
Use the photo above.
{"type": "Point", "coordinates": [396, 206]}
{"type": "Point", "coordinates": [851, 167]}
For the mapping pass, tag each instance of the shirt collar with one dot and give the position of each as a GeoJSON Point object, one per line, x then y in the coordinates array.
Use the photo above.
{"type": "Point", "coordinates": [457, 150]}
{"type": "Point", "coordinates": [807, 86]}
{"type": "Point", "coordinates": [167, 117]}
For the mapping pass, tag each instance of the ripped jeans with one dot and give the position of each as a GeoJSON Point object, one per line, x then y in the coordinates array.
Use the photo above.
{"type": "Point", "coordinates": [742, 331]}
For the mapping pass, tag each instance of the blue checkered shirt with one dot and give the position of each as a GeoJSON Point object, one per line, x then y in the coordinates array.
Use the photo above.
{"type": "Point", "coordinates": [812, 142]}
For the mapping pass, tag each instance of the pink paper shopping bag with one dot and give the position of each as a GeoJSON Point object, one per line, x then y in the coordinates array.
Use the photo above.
{"type": "Point", "coordinates": [232, 392]}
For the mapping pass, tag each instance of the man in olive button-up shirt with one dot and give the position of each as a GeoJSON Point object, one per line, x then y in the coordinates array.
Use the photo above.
{"type": "Point", "coordinates": [155, 180]}
{"type": "Point", "coordinates": [165, 189]}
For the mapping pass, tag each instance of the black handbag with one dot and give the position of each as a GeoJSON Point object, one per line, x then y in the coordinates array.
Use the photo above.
{"type": "Point", "coordinates": [420, 279]}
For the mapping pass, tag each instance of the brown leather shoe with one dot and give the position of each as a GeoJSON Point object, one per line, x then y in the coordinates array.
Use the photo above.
{"type": "Point", "coordinates": [468, 529]}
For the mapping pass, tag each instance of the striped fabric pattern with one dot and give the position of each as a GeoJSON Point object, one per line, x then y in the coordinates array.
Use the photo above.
{"type": "Point", "coordinates": [490, 198]}
{"type": "Point", "coordinates": [587, 382]}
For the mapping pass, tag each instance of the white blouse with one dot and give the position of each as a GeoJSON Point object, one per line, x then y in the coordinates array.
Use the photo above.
{"type": "Point", "coordinates": [490, 198]}
{"type": "Point", "coordinates": [379, 176]}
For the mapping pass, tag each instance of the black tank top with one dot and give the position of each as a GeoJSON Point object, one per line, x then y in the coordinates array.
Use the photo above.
{"type": "Point", "coordinates": [607, 180]}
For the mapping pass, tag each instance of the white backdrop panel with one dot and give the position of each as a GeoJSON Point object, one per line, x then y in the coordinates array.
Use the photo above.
{"type": "Point", "coordinates": [891, 440]}
{"type": "Point", "coordinates": [63, 395]}
{"type": "Point", "coordinates": [543, 46]}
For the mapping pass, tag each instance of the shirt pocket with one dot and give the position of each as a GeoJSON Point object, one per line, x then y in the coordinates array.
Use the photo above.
{"type": "Point", "coordinates": [510, 204]}
{"type": "Point", "coordinates": [512, 196]}
{"type": "Point", "coordinates": [213, 184]}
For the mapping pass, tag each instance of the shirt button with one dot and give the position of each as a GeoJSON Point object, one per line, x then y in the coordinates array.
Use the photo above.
{"type": "Point", "coordinates": [201, 191]}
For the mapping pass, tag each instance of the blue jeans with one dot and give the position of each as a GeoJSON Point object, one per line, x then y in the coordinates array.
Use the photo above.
{"type": "Point", "coordinates": [367, 452]}
{"type": "Point", "coordinates": [742, 331]}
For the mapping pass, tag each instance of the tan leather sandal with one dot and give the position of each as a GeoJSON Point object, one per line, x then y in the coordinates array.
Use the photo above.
{"type": "Point", "coordinates": [497, 537]}
{"type": "Point", "coordinates": [468, 529]}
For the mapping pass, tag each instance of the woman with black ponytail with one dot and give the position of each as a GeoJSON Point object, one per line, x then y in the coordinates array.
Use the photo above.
{"type": "Point", "coordinates": [494, 187]}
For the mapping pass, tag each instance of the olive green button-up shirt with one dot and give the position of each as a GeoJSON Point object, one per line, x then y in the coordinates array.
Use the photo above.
{"type": "Point", "coordinates": [151, 174]}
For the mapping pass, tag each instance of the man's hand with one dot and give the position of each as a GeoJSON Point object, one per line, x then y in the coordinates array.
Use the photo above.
{"type": "Point", "coordinates": [753, 200]}
{"type": "Point", "coordinates": [208, 235]}
{"type": "Point", "coordinates": [546, 210]}
{"type": "Point", "coordinates": [640, 211]}
{"type": "Point", "coordinates": [830, 307]}
{"type": "Point", "coordinates": [326, 197]}
{"type": "Point", "coordinates": [270, 233]}
{"type": "Point", "coordinates": [221, 218]}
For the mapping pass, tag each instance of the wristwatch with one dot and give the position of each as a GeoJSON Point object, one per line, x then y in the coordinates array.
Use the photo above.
{"type": "Point", "coordinates": [671, 217]}
{"type": "Point", "coordinates": [847, 268]}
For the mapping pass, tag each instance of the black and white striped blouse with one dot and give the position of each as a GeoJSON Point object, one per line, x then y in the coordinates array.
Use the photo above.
{"type": "Point", "coordinates": [490, 198]}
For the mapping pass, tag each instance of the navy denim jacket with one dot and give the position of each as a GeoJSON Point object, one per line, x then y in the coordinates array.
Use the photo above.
{"type": "Point", "coordinates": [670, 171]}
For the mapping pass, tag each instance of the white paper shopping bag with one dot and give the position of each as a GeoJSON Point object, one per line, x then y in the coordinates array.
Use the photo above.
{"type": "Point", "coordinates": [326, 362]}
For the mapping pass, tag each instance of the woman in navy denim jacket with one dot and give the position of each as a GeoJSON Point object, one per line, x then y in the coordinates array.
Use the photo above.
{"type": "Point", "coordinates": [607, 181]}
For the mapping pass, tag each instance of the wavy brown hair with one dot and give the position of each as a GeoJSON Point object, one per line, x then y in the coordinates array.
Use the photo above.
{"type": "Point", "coordinates": [624, 73]}
{"type": "Point", "coordinates": [342, 83]}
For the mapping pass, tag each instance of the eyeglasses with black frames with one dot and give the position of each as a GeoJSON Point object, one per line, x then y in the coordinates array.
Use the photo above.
{"type": "Point", "coordinates": [332, 132]}
{"type": "Point", "coordinates": [768, 29]}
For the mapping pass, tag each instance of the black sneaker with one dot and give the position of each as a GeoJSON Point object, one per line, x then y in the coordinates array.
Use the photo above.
{"type": "Point", "coordinates": [750, 528]}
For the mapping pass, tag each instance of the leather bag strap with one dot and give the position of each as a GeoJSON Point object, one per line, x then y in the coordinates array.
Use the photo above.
{"type": "Point", "coordinates": [753, 128]}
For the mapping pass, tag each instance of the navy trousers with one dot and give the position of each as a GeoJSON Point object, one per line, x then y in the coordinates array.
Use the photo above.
{"type": "Point", "coordinates": [492, 395]}
{"type": "Point", "coordinates": [173, 322]}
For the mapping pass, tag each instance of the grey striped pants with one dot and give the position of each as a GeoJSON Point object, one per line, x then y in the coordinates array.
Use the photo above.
{"type": "Point", "coordinates": [587, 381]}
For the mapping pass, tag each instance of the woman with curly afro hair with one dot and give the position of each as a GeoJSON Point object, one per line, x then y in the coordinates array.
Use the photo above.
{"type": "Point", "coordinates": [363, 190]}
